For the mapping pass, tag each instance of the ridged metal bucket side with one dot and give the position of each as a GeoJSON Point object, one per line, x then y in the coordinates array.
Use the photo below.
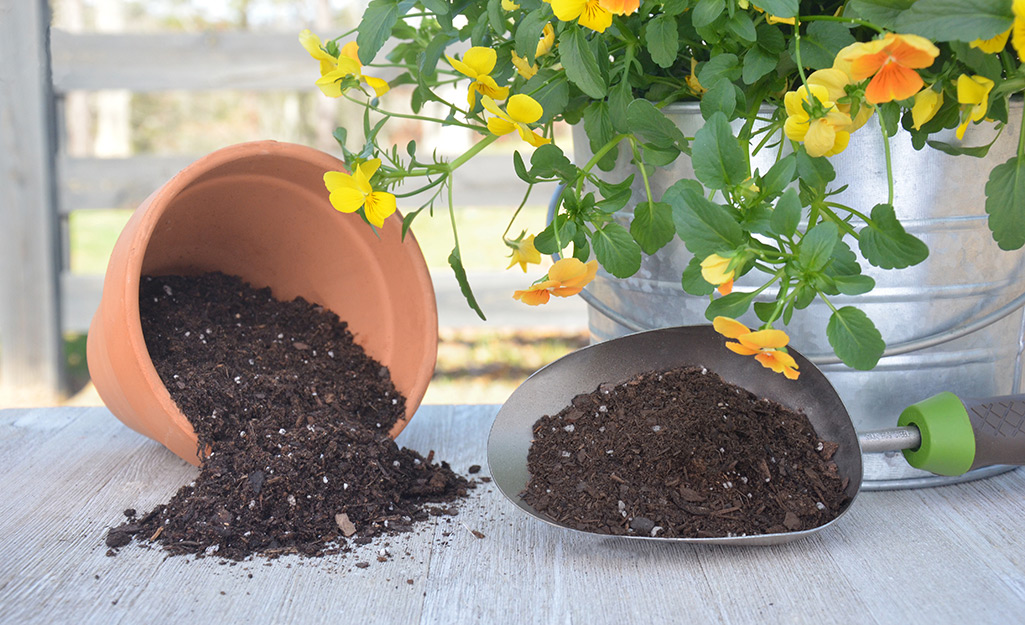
{"type": "Point", "coordinates": [940, 199]}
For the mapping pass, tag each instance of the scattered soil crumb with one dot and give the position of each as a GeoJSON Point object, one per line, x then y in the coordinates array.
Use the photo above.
{"type": "Point", "coordinates": [294, 419]}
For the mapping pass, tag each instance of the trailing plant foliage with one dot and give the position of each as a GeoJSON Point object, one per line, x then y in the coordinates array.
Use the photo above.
{"type": "Point", "coordinates": [794, 79]}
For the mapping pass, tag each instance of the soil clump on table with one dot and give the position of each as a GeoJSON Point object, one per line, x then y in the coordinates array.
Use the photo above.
{"type": "Point", "coordinates": [294, 417]}
{"type": "Point", "coordinates": [682, 453]}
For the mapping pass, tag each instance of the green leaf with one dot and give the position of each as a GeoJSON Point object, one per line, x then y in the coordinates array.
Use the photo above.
{"type": "Point", "coordinates": [662, 40]}
{"type": "Point", "coordinates": [707, 11]}
{"type": "Point", "coordinates": [528, 32]}
{"type": "Point", "coordinates": [521, 169]}
{"type": "Point", "coordinates": [733, 305]}
{"type": "Point", "coordinates": [548, 161]}
{"type": "Point", "coordinates": [779, 175]}
{"type": "Point", "coordinates": [854, 285]}
{"type": "Point", "coordinates": [787, 214]}
{"type": "Point", "coordinates": [721, 98]}
{"type": "Point", "coordinates": [659, 157]}
{"type": "Point", "coordinates": [580, 64]}
{"type": "Point", "coordinates": [883, 13]}
{"type": "Point", "coordinates": [545, 241]}
{"type": "Point", "coordinates": [821, 43]}
{"type": "Point", "coordinates": [652, 226]}
{"type": "Point", "coordinates": [719, 67]}
{"type": "Point", "coordinates": [960, 150]}
{"type": "Point", "coordinates": [704, 226]}
{"type": "Point", "coordinates": [581, 248]}
{"type": "Point", "coordinates": [652, 126]}
{"type": "Point", "coordinates": [616, 250]}
{"type": "Point", "coordinates": [855, 338]}
{"type": "Point", "coordinates": [1005, 204]}
{"type": "Point", "coordinates": [552, 95]}
{"type": "Point", "coordinates": [886, 244]}
{"type": "Point", "coordinates": [692, 280]}
{"type": "Point", "coordinates": [620, 97]}
{"type": "Point", "coordinates": [816, 172]}
{"type": "Point", "coordinates": [375, 28]}
{"type": "Point", "coordinates": [598, 126]}
{"type": "Point", "coordinates": [456, 263]}
{"type": "Point", "coordinates": [961, 20]}
{"type": "Point", "coordinates": [760, 60]}
{"type": "Point", "coordinates": [741, 26]}
{"type": "Point", "coordinates": [439, 7]}
{"type": "Point", "coordinates": [779, 8]}
{"type": "Point", "coordinates": [817, 246]}
{"type": "Point", "coordinates": [719, 161]}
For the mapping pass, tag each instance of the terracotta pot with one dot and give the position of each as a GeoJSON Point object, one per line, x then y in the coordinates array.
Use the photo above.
{"type": "Point", "coordinates": [260, 211]}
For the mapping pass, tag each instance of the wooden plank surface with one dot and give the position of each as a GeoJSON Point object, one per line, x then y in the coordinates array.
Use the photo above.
{"type": "Point", "coordinates": [942, 555]}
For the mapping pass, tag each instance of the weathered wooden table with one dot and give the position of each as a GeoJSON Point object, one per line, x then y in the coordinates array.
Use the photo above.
{"type": "Point", "coordinates": [954, 554]}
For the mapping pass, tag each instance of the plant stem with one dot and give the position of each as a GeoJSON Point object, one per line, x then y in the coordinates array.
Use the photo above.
{"type": "Point", "coordinates": [889, 164]}
{"type": "Point", "coordinates": [411, 116]}
{"type": "Point", "coordinates": [519, 208]}
{"type": "Point", "coordinates": [1021, 137]}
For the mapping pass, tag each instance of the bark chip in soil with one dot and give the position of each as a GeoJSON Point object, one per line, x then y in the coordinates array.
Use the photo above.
{"type": "Point", "coordinates": [295, 416]}
{"type": "Point", "coordinates": [682, 454]}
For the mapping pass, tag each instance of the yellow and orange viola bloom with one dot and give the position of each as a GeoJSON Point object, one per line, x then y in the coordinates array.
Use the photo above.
{"type": "Point", "coordinates": [351, 192]}
{"type": "Point", "coordinates": [521, 110]}
{"type": "Point", "coordinates": [620, 7]}
{"type": "Point", "coordinates": [523, 252]}
{"type": "Point", "coordinates": [973, 95]}
{"type": "Point", "coordinates": [891, 63]}
{"type": "Point", "coordinates": [333, 70]}
{"type": "Point", "coordinates": [544, 46]}
{"type": "Point", "coordinates": [825, 131]}
{"type": "Point", "coordinates": [767, 346]}
{"type": "Point", "coordinates": [477, 64]}
{"type": "Point", "coordinates": [587, 13]}
{"type": "Point", "coordinates": [716, 271]}
{"type": "Point", "coordinates": [567, 277]}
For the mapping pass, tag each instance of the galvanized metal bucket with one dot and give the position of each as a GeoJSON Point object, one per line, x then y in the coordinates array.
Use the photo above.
{"type": "Point", "coordinates": [953, 322]}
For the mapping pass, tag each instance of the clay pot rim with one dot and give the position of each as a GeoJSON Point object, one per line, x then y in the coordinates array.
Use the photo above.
{"type": "Point", "coordinates": [150, 218]}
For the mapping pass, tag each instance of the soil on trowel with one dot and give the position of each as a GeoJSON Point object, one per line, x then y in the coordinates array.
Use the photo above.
{"type": "Point", "coordinates": [293, 419]}
{"type": "Point", "coordinates": [682, 453]}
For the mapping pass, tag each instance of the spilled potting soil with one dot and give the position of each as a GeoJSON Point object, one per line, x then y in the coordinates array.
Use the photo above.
{"type": "Point", "coordinates": [682, 454]}
{"type": "Point", "coordinates": [295, 417]}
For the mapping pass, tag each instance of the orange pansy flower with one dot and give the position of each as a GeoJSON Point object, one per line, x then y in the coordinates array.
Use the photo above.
{"type": "Point", "coordinates": [765, 345]}
{"type": "Point", "coordinates": [568, 276]}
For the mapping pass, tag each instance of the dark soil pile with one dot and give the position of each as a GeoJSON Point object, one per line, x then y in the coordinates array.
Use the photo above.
{"type": "Point", "coordinates": [295, 418]}
{"type": "Point", "coordinates": [682, 453]}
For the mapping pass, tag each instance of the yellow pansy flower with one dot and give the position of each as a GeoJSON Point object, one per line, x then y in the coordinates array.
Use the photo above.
{"type": "Point", "coordinates": [767, 346]}
{"type": "Point", "coordinates": [523, 252]}
{"type": "Point", "coordinates": [349, 193]}
{"type": "Point", "coordinates": [927, 104]}
{"type": "Point", "coordinates": [313, 45]}
{"type": "Point", "coordinates": [568, 276]}
{"type": "Point", "coordinates": [477, 64]}
{"type": "Point", "coordinates": [588, 13]}
{"type": "Point", "coordinates": [334, 70]}
{"type": "Point", "coordinates": [544, 46]}
{"type": "Point", "coordinates": [716, 270]}
{"type": "Point", "coordinates": [993, 44]}
{"type": "Point", "coordinates": [692, 78]}
{"type": "Point", "coordinates": [825, 133]}
{"type": "Point", "coordinates": [520, 111]}
{"type": "Point", "coordinates": [973, 94]}
{"type": "Point", "coordinates": [509, 5]}
{"type": "Point", "coordinates": [835, 82]}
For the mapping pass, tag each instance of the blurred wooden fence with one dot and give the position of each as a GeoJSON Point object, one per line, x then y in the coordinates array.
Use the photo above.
{"type": "Point", "coordinates": [40, 298]}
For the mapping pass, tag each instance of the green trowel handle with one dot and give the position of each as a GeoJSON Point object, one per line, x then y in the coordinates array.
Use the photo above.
{"type": "Point", "coordinates": [958, 436]}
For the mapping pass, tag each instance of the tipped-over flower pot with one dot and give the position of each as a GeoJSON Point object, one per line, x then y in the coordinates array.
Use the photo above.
{"type": "Point", "coordinates": [260, 211]}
